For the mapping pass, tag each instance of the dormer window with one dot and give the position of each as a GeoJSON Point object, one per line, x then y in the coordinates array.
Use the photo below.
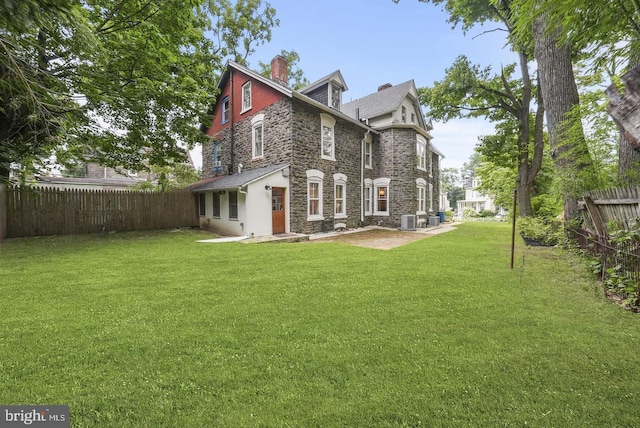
{"type": "Point", "coordinates": [335, 96]}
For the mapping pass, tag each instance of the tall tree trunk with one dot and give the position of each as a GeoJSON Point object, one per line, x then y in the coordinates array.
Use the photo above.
{"type": "Point", "coordinates": [567, 143]}
{"type": "Point", "coordinates": [523, 186]}
{"type": "Point", "coordinates": [625, 111]}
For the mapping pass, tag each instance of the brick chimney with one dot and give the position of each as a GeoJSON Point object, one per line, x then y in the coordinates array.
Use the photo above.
{"type": "Point", "coordinates": [385, 86]}
{"type": "Point", "coordinates": [279, 70]}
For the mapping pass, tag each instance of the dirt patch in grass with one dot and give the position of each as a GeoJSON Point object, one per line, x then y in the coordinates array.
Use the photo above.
{"type": "Point", "coordinates": [382, 239]}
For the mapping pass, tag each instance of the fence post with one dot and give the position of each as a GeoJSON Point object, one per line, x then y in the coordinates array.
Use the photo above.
{"type": "Point", "coordinates": [3, 211]}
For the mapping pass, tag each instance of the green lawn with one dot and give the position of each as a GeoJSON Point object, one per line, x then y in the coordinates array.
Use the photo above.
{"type": "Point", "coordinates": [156, 330]}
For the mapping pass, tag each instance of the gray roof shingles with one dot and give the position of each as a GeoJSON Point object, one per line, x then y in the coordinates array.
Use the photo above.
{"type": "Point", "coordinates": [238, 179]}
{"type": "Point", "coordinates": [378, 103]}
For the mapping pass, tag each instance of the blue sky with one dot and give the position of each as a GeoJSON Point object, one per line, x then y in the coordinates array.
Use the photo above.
{"type": "Point", "coordinates": [378, 41]}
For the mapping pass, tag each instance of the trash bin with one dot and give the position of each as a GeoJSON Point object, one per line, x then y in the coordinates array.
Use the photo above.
{"type": "Point", "coordinates": [441, 215]}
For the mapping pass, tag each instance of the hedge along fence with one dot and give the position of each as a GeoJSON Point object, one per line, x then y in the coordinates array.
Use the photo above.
{"type": "Point", "coordinates": [33, 211]}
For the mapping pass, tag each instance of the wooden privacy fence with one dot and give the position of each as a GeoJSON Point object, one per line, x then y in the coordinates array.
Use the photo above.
{"type": "Point", "coordinates": [49, 211]}
{"type": "Point", "coordinates": [609, 210]}
{"type": "Point", "coordinates": [619, 206]}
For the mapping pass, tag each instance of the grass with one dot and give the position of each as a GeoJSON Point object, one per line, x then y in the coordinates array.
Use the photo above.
{"type": "Point", "coordinates": [137, 330]}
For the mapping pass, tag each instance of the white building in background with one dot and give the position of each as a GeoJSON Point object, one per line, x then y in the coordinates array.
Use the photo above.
{"type": "Point", "coordinates": [477, 201]}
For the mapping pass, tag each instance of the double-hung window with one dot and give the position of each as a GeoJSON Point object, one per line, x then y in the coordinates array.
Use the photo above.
{"type": "Point", "coordinates": [340, 191]}
{"type": "Point", "coordinates": [202, 204]}
{"type": "Point", "coordinates": [430, 197]}
{"type": "Point", "coordinates": [368, 147]}
{"type": "Point", "coordinates": [404, 114]}
{"type": "Point", "coordinates": [327, 142]}
{"type": "Point", "coordinates": [246, 97]}
{"type": "Point", "coordinates": [217, 155]}
{"type": "Point", "coordinates": [233, 205]}
{"type": "Point", "coordinates": [421, 153]}
{"type": "Point", "coordinates": [216, 204]}
{"type": "Point", "coordinates": [314, 195]}
{"type": "Point", "coordinates": [368, 196]}
{"type": "Point", "coordinates": [421, 186]}
{"type": "Point", "coordinates": [381, 194]}
{"type": "Point", "coordinates": [225, 110]}
{"type": "Point", "coordinates": [257, 127]}
{"type": "Point", "coordinates": [335, 96]}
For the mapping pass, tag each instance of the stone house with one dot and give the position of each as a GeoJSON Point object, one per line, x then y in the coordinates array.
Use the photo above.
{"type": "Point", "coordinates": [287, 161]}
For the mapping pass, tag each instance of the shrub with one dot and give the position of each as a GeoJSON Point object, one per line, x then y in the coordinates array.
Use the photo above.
{"type": "Point", "coordinates": [542, 230]}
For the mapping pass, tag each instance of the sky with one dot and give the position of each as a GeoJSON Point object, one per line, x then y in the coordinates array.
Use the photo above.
{"type": "Point", "coordinates": [373, 42]}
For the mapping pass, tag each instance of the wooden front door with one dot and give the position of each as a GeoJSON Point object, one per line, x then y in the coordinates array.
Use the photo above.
{"type": "Point", "coordinates": [277, 210]}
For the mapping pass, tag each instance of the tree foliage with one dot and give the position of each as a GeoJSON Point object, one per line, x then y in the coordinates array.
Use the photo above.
{"type": "Point", "coordinates": [124, 83]}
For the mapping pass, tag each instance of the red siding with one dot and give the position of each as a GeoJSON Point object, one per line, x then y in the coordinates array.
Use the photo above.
{"type": "Point", "coordinates": [261, 97]}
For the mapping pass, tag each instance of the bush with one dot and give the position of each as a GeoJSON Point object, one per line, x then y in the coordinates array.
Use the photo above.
{"type": "Point", "coordinates": [542, 230]}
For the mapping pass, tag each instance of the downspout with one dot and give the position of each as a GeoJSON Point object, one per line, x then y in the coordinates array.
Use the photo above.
{"type": "Point", "coordinates": [362, 186]}
{"type": "Point", "coordinates": [231, 140]}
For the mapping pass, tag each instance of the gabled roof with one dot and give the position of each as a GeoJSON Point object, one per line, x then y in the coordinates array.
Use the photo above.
{"type": "Point", "coordinates": [272, 83]}
{"type": "Point", "coordinates": [383, 102]}
{"type": "Point", "coordinates": [336, 76]}
{"type": "Point", "coordinates": [237, 180]}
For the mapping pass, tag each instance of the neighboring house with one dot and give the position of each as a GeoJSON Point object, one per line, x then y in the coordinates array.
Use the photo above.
{"type": "Point", "coordinates": [445, 203]}
{"type": "Point", "coordinates": [90, 175]}
{"type": "Point", "coordinates": [476, 200]}
{"type": "Point", "coordinates": [93, 176]}
{"type": "Point", "coordinates": [282, 161]}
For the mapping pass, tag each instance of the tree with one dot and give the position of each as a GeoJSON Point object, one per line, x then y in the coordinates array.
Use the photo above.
{"type": "Point", "coordinates": [296, 75]}
{"type": "Point", "coordinates": [496, 97]}
{"type": "Point", "coordinates": [124, 83]}
{"type": "Point", "coordinates": [469, 91]}
{"type": "Point", "coordinates": [559, 90]}
{"type": "Point", "coordinates": [452, 184]}
{"type": "Point", "coordinates": [608, 34]}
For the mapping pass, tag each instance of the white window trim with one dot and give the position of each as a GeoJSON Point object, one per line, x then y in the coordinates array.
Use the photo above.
{"type": "Point", "coordinates": [421, 186]}
{"type": "Point", "coordinates": [340, 180]}
{"type": "Point", "coordinates": [257, 121]}
{"type": "Point", "coordinates": [368, 144]}
{"type": "Point", "coordinates": [430, 196]}
{"type": "Point", "coordinates": [327, 121]}
{"type": "Point", "coordinates": [421, 164]}
{"type": "Point", "coordinates": [246, 107]}
{"type": "Point", "coordinates": [225, 113]}
{"type": "Point", "coordinates": [315, 176]}
{"type": "Point", "coordinates": [377, 183]}
{"type": "Point", "coordinates": [368, 190]}
{"type": "Point", "coordinates": [330, 87]}
{"type": "Point", "coordinates": [430, 163]}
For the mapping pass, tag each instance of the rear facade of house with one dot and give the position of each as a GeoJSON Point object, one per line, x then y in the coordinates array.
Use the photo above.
{"type": "Point", "coordinates": [286, 161]}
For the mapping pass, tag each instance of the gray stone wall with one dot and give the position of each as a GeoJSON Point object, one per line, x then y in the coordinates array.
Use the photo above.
{"type": "Point", "coordinates": [395, 158]}
{"type": "Point", "coordinates": [306, 155]}
{"type": "Point", "coordinates": [292, 134]}
{"type": "Point", "coordinates": [277, 142]}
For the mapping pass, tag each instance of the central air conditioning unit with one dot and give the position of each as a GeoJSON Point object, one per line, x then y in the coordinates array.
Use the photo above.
{"type": "Point", "coordinates": [408, 222]}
